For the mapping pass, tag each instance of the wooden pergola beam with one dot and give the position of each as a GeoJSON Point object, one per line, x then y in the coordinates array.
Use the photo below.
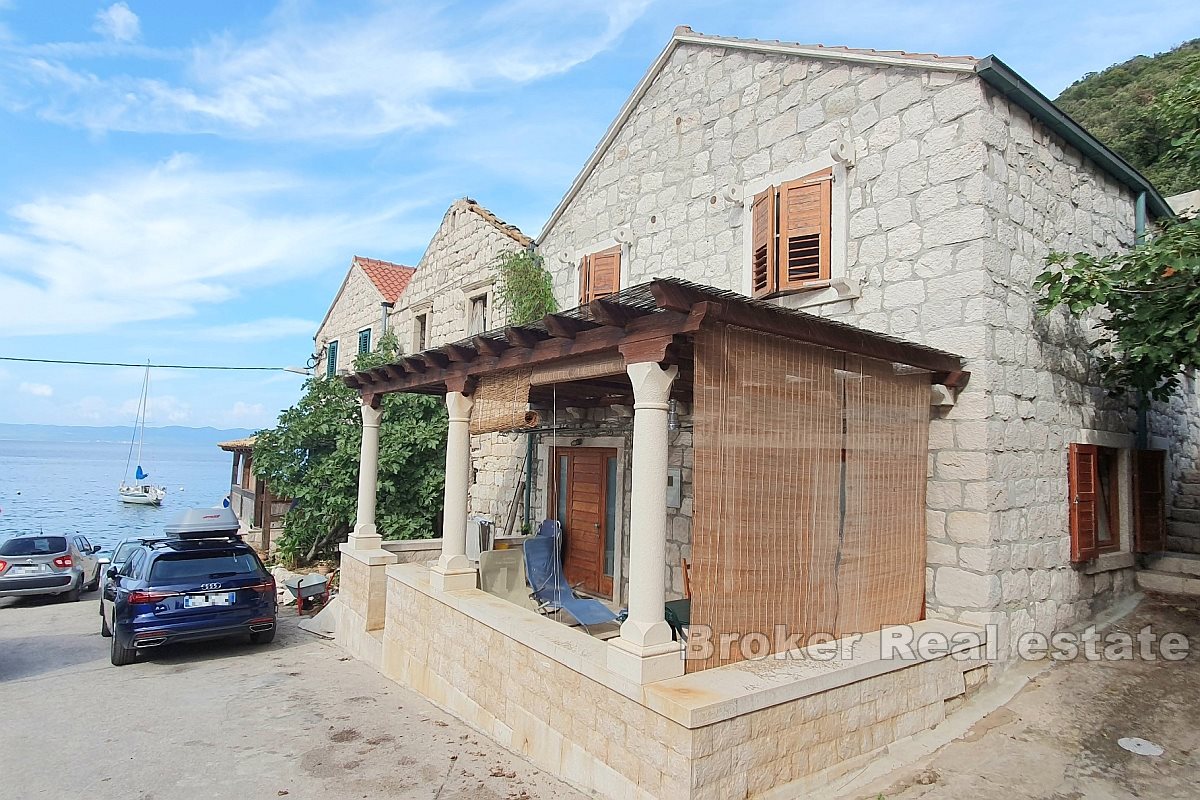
{"type": "Point", "coordinates": [414, 364]}
{"type": "Point", "coordinates": [435, 358]}
{"type": "Point", "coordinates": [565, 327]}
{"type": "Point", "coordinates": [457, 352]}
{"type": "Point", "coordinates": [608, 313]}
{"type": "Point", "coordinates": [521, 337]}
{"type": "Point", "coordinates": [489, 347]}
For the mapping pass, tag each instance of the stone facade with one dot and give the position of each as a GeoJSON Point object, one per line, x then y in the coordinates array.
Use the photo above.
{"type": "Point", "coordinates": [358, 306]}
{"type": "Point", "coordinates": [952, 201]}
{"type": "Point", "coordinates": [457, 267]}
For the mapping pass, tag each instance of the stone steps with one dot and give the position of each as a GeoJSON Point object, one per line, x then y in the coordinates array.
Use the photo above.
{"type": "Point", "coordinates": [1168, 582]}
{"type": "Point", "coordinates": [1186, 564]}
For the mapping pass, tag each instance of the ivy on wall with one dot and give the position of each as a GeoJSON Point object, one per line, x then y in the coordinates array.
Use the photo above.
{"type": "Point", "coordinates": [525, 287]}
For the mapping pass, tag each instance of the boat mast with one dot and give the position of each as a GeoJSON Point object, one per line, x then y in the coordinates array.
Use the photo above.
{"type": "Point", "coordinates": [142, 430]}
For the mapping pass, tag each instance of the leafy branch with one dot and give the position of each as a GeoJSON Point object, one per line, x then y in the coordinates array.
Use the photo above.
{"type": "Point", "coordinates": [1150, 296]}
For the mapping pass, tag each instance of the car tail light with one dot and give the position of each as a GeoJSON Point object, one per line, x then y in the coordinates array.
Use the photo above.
{"type": "Point", "coordinates": [149, 597]}
{"type": "Point", "coordinates": [63, 562]}
{"type": "Point", "coordinates": [3, 566]}
{"type": "Point", "coordinates": [266, 587]}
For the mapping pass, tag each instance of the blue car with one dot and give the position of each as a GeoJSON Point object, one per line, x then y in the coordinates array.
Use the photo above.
{"type": "Point", "coordinates": [179, 589]}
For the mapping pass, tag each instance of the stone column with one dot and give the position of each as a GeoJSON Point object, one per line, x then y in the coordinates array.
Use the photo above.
{"type": "Point", "coordinates": [453, 570]}
{"type": "Point", "coordinates": [364, 536]}
{"type": "Point", "coordinates": [644, 651]}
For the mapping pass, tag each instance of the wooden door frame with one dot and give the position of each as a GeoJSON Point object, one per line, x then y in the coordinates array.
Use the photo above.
{"type": "Point", "coordinates": [545, 446]}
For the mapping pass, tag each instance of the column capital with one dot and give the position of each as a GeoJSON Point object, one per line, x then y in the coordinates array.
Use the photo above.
{"type": "Point", "coordinates": [371, 415]}
{"type": "Point", "coordinates": [651, 383]}
{"type": "Point", "coordinates": [459, 406]}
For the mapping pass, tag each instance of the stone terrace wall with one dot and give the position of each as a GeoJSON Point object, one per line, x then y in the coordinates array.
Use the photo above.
{"type": "Point", "coordinates": [585, 732]}
{"type": "Point", "coordinates": [459, 264]}
{"type": "Point", "coordinates": [1178, 422]}
{"type": "Point", "coordinates": [356, 308]}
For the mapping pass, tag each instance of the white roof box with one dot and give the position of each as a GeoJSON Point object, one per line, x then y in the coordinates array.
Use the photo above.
{"type": "Point", "coordinates": [203, 523]}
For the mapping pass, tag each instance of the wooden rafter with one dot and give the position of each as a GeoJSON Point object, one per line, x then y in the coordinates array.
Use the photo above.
{"type": "Point", "coordinates": [521, 337]}
{"type": "Point", "coordinates": [490, 347]}
{"type": "Point", "coordinates": [565, 327]}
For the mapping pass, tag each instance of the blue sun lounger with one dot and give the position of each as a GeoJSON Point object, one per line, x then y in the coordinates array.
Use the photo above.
{"type": "Point", "coordinates": [543, 567]}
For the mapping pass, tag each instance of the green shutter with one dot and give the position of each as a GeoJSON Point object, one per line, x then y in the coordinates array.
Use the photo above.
{"type": "Point", "coordinates": [331, 355]}
{"type": "Point", "coordinates": [364, 341]}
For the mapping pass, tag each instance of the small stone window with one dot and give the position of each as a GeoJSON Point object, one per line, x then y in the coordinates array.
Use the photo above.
{"type": "Point", "coordinates": [477, 315]}
{"type": "Point", "coordinates": [331, 357]}
{"type": "Point", "coordinates": [364, 341]}
{"type": "Point", "coordinates": [420, 332]}
{"type": "Point", "coordinates": [790, 235]}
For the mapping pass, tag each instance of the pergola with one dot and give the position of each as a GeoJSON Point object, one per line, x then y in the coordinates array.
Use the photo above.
{"type": "Point", "coordinates": [636, 348]}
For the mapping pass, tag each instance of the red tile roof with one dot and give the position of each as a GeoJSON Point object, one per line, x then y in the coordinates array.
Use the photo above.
{"type": "Point", "coordinates": [390, 279]}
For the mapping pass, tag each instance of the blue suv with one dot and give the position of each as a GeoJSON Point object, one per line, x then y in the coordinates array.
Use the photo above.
{"type": "Point", "coordinates": [191, 586]}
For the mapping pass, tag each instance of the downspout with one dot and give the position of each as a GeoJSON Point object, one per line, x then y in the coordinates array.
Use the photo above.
{"type": "Point", "coordinates": [1142, 441]}
{"type": "Point", "coordinates": [384, 308]}
{"type": "Point", "coordinates": [528, 482]}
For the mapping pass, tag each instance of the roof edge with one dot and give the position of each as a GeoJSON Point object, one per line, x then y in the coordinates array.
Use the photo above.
{"type": "Point", "coordinates": [1003, 79]}
{"type": "Point", "coordinates": [685, 35]}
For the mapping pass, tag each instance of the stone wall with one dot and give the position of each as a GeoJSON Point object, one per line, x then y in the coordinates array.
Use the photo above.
{"type": "Point", "coordinates": [1176, 423]}
{"type": "Point", "coordinates": [356, 307]}
{"type": "Point", "coordinates": [586, 732]}
{"type": "Point", "coordinates": [953, 201]}
{"type": "Point", "coordinates": [458, 264]}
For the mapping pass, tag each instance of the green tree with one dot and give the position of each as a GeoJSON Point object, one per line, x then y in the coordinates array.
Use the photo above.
{"type": "Point", "coordinates": [311, 456]}
{"type": "Point", "coordinates": [526, 289]}
{"type": "Point", "coordinates": [1140, 109]}
{"type": "Point", "coordinates": [1148, 300]}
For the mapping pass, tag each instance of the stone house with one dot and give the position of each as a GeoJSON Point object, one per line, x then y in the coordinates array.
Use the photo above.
{"type": "Point", "coordinates": [800, 374]}
{"type": "Point", "coordinates": [359, 314]}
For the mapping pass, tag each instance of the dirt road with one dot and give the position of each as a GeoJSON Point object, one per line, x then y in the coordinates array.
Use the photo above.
{"type": "Point", "coordinates": [294, 719]}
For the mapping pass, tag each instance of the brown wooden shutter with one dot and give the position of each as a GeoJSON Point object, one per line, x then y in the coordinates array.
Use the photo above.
{"type": "Point", "coordinates": [584, 269]}
{"type": "Point", "coordinates": [604, 273]}
{"type": "Point", "coordinates": [804, 213]}
{"type": "Point", "coordinates": [1081, 480]}
{"type": "Point", "coordinates": [763, 249]}
{"type": "Point", "coordinates": [1149, 501]}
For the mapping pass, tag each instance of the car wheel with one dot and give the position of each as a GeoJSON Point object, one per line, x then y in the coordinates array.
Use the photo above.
{"type": "Point", "coordinates": [95, 584]}
{"type": "Point", "coordinates": [263, 637]}
{"type": "Point", "coordinates": [72, 594]}
{"type": "Point", "coordinates": [105, 631]}
{"type": "Point", "coordinates": [121, 656]}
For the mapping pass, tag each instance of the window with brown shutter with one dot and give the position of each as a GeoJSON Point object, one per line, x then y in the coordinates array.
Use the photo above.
{"type": "Point", "coordinates": [1081, 480]}
{"type": "Point", "coordinates": [804, 208]}
{"type": "Point", "coordinates": [600, 274]}
{"type": "Point", "coordinates": [762, 245]}
{"type": "Point", "coordinates": [1149, 501]}
{"type": "Point", "coordinates": [790, 234]}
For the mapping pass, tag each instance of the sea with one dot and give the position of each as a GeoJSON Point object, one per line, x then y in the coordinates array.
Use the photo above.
{"type": "Point", "coordinates": [71, 487]}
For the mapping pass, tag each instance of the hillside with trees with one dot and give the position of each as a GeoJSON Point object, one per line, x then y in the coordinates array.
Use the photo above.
{"type": "Point", "coordinates": [1148, 110]}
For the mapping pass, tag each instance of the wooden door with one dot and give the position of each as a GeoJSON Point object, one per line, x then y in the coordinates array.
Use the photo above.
{"type": "Point", "coordinates": [583, 498]}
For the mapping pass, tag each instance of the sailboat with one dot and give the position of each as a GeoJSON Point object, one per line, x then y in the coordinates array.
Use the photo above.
{"type": "Point", "coordinates": [140, 491]}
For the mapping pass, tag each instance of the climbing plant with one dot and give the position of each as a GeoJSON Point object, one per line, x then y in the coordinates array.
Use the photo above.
{"type": "Point", "coordinates": [311, 456]}
{"type": "Point", "coordinates": [526, 289]}
{"type": "Point", "coordinates": [1148, 300]}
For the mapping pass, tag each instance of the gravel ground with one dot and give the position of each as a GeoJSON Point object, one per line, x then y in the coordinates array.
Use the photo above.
{"type": "Point", "coordinates": [1057, 739]}
{"type": "Point", "coordinates": [295, 719]}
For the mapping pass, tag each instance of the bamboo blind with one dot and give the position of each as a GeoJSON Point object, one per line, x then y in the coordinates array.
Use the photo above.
{"type": "Point", "coordinates": [502, 403]}
{"type": "Point", "coordinates": [810, 491]}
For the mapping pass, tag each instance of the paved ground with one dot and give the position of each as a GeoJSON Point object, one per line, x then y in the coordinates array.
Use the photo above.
{"type": "Point", "coordinates": [293, 719]}
{"type": "Point", "coordinates": [1057, 739]}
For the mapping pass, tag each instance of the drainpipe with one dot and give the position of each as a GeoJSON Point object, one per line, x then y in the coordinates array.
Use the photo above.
{"type": "Point", "coordinates": [528, 480]}
{"type": "Point", "coordinates": [384, 308]}
{"type": "Point", "coordinates": [1143, 408]}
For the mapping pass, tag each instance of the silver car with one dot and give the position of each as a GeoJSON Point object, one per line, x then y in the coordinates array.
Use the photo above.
{"type": "Point", "coordinates": [48, 564]}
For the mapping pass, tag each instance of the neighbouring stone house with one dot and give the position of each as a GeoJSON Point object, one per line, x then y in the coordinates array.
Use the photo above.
{"type": "Point", "coordinates": [358, 315]}
{"type": "Point", "coordinates": [260, 512]}
{"type": "Point", "coordinates": [800, 353]}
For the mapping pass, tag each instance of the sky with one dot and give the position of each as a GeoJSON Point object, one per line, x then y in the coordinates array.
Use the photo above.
{"type": "Point", "coordinates": [187, 181]}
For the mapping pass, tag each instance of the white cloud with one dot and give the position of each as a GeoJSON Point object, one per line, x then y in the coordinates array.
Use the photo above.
{"type": "Point", "coordinates": [163, 409]}
{"type": "Point", "coordinates": [117, 22]}
{"type": "Point", "coordinates": [37, 389]}
{"type": "Point", "coordinates": [259, 330]}
{"type": "Point", "coordinates": [353, 77]}
{"type": "Point", "coordinates": [248, 415]}
{"type": "Point", "coordinates": [159, 242]}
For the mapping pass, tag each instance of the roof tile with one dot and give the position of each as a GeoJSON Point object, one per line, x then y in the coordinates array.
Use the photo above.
{"type": "Point", "coordinates": [390, 279]}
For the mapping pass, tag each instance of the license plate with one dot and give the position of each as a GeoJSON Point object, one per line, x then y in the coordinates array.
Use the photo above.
{"type": "Point", "coordinates": [206, 600]}
{"type": "Point", "coordinates": [26, 569]}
